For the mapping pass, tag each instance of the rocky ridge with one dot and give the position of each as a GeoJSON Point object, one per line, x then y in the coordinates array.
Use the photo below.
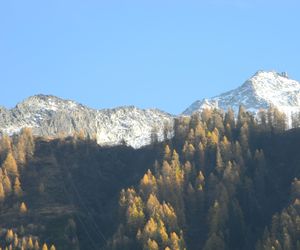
{"type": "Point", "coordinates": [52, 116]}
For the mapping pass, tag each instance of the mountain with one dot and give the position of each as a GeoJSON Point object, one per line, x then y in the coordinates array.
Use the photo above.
{"type": "Point", "coordinates": [264, 89]}
{"type": "Point", "coordinates": [51, 116]}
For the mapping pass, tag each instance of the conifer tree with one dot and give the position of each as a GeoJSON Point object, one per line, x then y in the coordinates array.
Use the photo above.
{"type": "Point", "coordinates": [36, 245]}
{"type": "Point", "coordinates": [219, 160]}
{"type": "Point", "coordinates": [5, 145]}
{"type": "Point", "coordinates": [191, 135]}
{"type": "Point", "coordinates": [17, 188]}
{"type": "Point", "coordinates": [201, 151]}
{"type": "Point", "coordinates": [24, 243]}
{"type": "Point", "coordinates": [206, 115]}
{"type": "Point", "coordinates": [148, 184]}
{"type": "Point", "coordinates": [150, 229]}
{"type": "Point", "coordinates": [27, 133]}
{"type": "Point", "coordinates": [167, 153]}
{"type": "Point", "coordinates": [2, 193]}
{"type": "Point", "coordinates": [242, 117]}
{"type": "Point", "coordinates": [225, 147]}
{"type": "Point", "coordinates": [200, 181]}
{"type": "Point", "coordinates": [6, 184]}
{"type": "Point", "coordinates": [228, 131]}
{"type": "Point", "coordinates": [30, 243]}
{"type": "Point", "coordinates": [9, 236]}
{"type": "Point", "coordinates": [229, 118]}
{"type": "Point", "coordinates": [135, 213]}
{"type": "Point", "coordinates": [153, 206]}
{"type": "Point", "coordinates": [23, 208]}
{"type": "Point", "coordinates": [243, 138]}
{"type": "Point", "coordinates": [21, 150]}
{"type": "Point", "coordinates": [152, 245]}
{"type": "Point", "coordinates": [215, 136]}
{"type": "Point", "coordinates": [45, 247]}
{"type": "Point", "coordinates": [163, 235]}
{"type": "Point", "coordinates": [16, 241]}
{"type": "Point", "coordinates": [10, 165]}
{"type": "Point", "coordinates": [52, 247]}
{"type": "Point", "coordinates": [199, 131]}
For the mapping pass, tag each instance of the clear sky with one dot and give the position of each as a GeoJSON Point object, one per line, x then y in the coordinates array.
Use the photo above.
{"type": "Point", "coordinates": [157, 53]}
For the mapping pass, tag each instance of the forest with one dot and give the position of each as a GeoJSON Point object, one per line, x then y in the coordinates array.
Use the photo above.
{"type": "Point", "coordinates": [221, 182]}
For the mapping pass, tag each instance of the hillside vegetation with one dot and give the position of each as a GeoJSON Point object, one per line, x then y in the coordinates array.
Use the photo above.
{"type": "Point", "coordinates": [220, 183]}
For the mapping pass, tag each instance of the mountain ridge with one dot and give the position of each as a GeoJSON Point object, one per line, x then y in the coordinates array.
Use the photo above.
{"type": "Point", "coordinates": [49, 115]}
{"type": "Point", "coordinates": [262, 90]}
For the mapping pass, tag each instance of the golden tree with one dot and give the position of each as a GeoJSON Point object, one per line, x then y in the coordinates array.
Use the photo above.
{"type": "Point", "coordinates": [10, 165]}
{"type": "Point", "coordinates": [17, 188]}
{"type": "Point", "coordinates": [45, 247]}
{"type": "Point", "coordinates": [6, 184]}
{"type": "Point", "coordinates": [36, 245]}
{"type": "Point", "coordinates": [152, 245]}
{"type": "Point", "coordinates": [9, 235]}
{"type": "Point", "coordinates": [52, 247]}
{"type": "Point", "coordinates": [30, 243]}
{"type": "Point", "coordinates": [23, 208]}
{"type": "Point", "coordinates": [167, 153]}
{"type": "Point", "coordinates": [2, 193]}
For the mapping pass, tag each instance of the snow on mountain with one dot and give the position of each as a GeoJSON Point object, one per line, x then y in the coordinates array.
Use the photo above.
{"type": "Point", "coordinates": [51, 116]}
{"type": "Point", "coordinates": [264, 89]}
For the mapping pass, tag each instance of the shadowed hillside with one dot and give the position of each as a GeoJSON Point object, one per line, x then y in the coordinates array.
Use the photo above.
{"type": "Point", "coordinates": [220, 183]}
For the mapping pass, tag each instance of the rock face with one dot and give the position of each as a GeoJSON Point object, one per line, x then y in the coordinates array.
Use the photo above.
{"type": "Point", "coordinates": [264, 89]}
{"type": "Point", "coordinates": [51, 116]}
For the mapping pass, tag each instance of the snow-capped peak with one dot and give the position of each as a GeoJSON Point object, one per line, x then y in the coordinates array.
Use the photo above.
{"type": "Point", "coordinates": [47, 102]}
{"type": "Point", "coordinates": [52, 116]}
{"type": "Point", "coordinates": [263, 89]}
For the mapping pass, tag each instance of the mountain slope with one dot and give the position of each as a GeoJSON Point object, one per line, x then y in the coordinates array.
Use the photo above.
{"type": "Point", "coordinates": [51, 116]}
{"type": "Point", "coordinates": [261, 91]}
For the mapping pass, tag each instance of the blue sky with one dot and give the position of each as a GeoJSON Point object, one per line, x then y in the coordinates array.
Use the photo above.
{"type": "Point", "coordinates": [163, 54]}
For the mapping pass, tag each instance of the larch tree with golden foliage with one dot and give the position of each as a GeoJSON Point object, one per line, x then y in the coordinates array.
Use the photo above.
{"type": "Point", "coordinates": [10, 165]}
{"type": "Point", "coordinates": [45, 247]}
{"type": "Point", "coordinates": [52, 247]}
{"type": "Point", "coordinates": [23, 208]}
{"type": "Point", "coordinates": [2, 193]}
{"type": "Point", "coordinates": [17, 188]}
